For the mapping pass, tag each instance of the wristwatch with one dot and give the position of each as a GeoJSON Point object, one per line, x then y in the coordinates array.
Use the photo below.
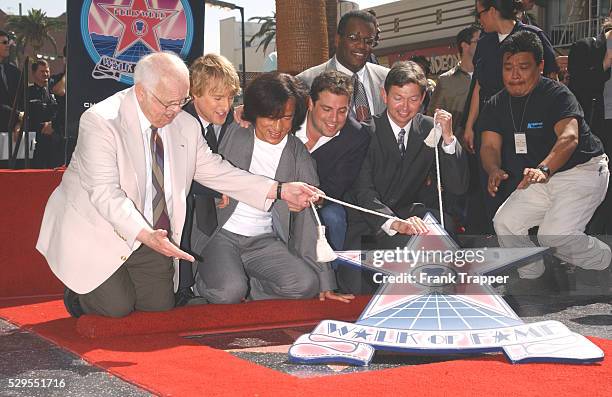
{"type": "Point", "coordinates": [279, 188]}
{"type": "Point", "coordinates": [544, 169]}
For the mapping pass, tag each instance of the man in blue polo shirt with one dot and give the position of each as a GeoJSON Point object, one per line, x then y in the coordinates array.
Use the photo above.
{"type": "Point", "coordinates": [535, 137]}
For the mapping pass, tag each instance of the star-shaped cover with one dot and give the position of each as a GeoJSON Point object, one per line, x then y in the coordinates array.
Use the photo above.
{"type": "Point", "coordinates": [413, 301]}
{"type": "Point", "coordinates": [139, 23]}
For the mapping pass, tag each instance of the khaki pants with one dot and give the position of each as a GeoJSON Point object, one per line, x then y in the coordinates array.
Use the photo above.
{"type": "Point", "coordinates": [561, 208]}
{"type": "Point", "coordinates": [143, 282]}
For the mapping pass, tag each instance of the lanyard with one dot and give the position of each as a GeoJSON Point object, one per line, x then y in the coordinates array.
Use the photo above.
{"type": "Point", "coordinates": [516, 131]}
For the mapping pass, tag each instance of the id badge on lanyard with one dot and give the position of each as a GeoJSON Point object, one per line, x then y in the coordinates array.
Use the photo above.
{"type": "Point", "coordinates": [520, 138]}
{"type": "Point", "coordinates": [520, 143]}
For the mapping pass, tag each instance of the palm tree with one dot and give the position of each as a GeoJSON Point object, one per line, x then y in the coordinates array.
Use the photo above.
{"type": "Point", "coordinates": [331, 13]}
{"type": "Point", "coordinates": [33, 29]}
{"type": "Point", "coordinates": [267, 31]}
{"type": "Point", "coordinates": [302, 34]}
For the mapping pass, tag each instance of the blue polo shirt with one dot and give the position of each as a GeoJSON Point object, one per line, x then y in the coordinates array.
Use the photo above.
{"type": "Point", "coordinates": [488, 60]}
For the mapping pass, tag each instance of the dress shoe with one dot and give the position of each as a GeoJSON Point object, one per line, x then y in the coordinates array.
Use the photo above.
{"type": "Point", "coordinates": [594, 281]}
{"type": "Point", "coordinates": [545, 286]}
{"type": "Point", "coordinates": [182, 296]}
{"type": "Point", "coordinates": [71, 301]}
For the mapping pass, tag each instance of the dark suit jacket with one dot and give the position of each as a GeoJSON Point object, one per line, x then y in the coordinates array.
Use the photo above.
{"type": "Point", "coordinates": [7, 97]}
{"type": "Point", "coordinates": [339, 160]}
{"type": "Point", "coordinates": [203, 196]}
{"type": "Point", "coordinates": [200, 205]}
{"type": "Point", "coordinates": [390, 184]}
{"type": "Point", "coordinates": [196, 188]}
{"type": "Point", "coordinates": [587, 78]}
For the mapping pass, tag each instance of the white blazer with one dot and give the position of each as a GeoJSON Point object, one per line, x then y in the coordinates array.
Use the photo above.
{"type": "Point", "coordinates": [92, 218]}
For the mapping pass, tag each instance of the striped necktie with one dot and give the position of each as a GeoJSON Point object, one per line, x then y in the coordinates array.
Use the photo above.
{"type": "Point", "coordinates": [360, 100]}
{"type": "Point", "coordinates": [160, 212]}
{"type": "Point", "coordinates": [400, 142]}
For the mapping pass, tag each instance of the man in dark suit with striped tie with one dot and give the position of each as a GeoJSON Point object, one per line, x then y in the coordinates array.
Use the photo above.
{"type": "Point", "coordinates": [399, 171]}
{"type": "Point", "coordinates": [214, 84]}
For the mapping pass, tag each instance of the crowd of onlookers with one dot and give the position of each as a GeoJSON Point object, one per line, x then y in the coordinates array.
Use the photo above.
{"type": "Point", "coordinates": [521, 156]}
{"type": "Point", "coordinates": [43, 110]}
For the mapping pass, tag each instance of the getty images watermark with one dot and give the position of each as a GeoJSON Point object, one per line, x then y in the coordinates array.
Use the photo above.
{"type": "Point", "coordinates": [443, 275]}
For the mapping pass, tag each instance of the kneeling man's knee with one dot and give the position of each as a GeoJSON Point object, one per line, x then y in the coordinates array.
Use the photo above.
{"type": "Point", "coordinates": [500, 223]}
{"type": "Point", "coordinates": [118, 304]}
{"type": "Point", "coordinates": [229, 293]}
{"type": "Point", "coordinates": [119, 308]}
{"type": "Point", "coordinates": [306, 286]}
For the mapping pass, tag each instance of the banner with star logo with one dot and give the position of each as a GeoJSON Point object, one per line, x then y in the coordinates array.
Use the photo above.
{"type": "Point", "coordinates": [107, 37]}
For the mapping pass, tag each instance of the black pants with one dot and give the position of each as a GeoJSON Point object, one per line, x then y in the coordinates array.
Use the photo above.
{"type": "Point", "coordinates": [49, 151]}
{"type": "Point", "coordinates": [601, 222]}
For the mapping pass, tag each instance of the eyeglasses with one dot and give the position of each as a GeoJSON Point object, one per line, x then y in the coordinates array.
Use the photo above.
{"type": "Point", "coordinates": [169, 106]}
{"type": "Point", "coordinates": [479, 14]}
{"type": "Point", "coordinates": [355, 38]}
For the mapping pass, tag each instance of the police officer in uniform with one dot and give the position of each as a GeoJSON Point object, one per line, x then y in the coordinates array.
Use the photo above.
{"type": "Point", "coordinates": [48, 152]}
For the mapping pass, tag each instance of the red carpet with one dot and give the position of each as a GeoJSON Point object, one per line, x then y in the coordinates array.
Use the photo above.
{"type": "Point", "coordinates": [23, 271]}
{"type": "Point", "coordinates": [217, 318]}
{"type": "Point", "coordinates": [168, 364]}
{"type": "Point", "coordinates": [147, 349]}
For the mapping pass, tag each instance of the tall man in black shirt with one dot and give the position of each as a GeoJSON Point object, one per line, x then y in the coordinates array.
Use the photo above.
{"type": "Point", "coordinates": [49, 142]}
{"type": "Point", "coordinates": [549, 153]}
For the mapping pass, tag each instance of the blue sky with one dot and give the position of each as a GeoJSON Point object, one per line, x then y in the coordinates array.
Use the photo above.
{"type": "Point", "coordinates": [252, 8]}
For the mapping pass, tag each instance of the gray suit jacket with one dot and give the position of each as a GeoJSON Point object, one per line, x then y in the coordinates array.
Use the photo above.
{"type": "Point", "coordinates": [297, 230]}
{"type": "Point", "coordinates": [375, 73]}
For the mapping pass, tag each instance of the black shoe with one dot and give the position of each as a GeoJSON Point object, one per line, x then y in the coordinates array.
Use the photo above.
{"type": "Point", "coordinates": [564, 277]}
{"type": "Point", "coordinates": [183, 296]}
{"type": "Point", "coordinates": [71, 301]}
{"type": "Point", "coordinates": [544, 286]}
{"type": "Point", "coordinates": [594, 281]}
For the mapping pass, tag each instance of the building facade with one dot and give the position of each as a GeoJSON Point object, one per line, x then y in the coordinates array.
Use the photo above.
{"type": "Point", "coordinates": [422, 27]}
{"type": "Point", "coordinates": [230, 45]}
{"type": "Point", "coordinates": [566, 21]}
{"type": "Point", "coordinates": [429, 27]}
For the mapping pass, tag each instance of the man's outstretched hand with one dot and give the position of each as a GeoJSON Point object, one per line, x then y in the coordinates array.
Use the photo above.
{"type": "Point", "coordinates": [531, 176]}
{"type": "Point", "coordinates": [496, 177]}
{"type": "Point", "coordinates": [411, 226]}
{"type": "Point", "coordinates": [158, 241]}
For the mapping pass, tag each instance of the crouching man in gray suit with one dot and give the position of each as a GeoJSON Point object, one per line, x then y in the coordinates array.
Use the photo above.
{"type": "Point", "coordinates": [258, 254]}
